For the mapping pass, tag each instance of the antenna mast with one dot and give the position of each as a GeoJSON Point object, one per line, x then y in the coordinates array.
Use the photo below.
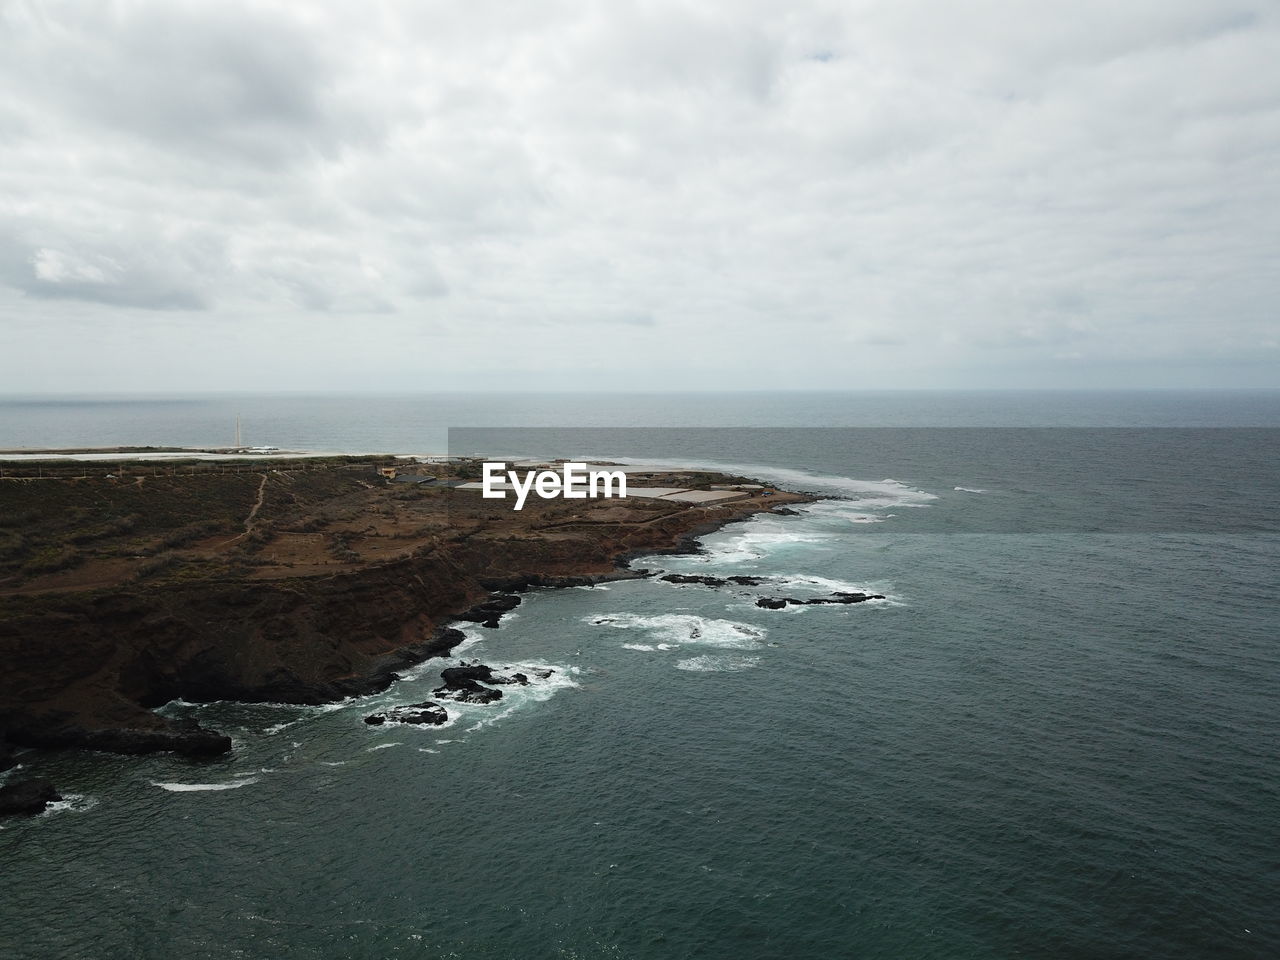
{"type": "Point", "coordinates": [238, 443]}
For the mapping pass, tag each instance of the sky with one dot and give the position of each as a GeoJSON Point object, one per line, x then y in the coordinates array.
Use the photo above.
{"type": "Point", "coordinates": [638, 195]}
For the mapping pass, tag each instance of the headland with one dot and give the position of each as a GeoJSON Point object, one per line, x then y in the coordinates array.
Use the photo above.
{"type": "Point", "coordinates": [126, 582]}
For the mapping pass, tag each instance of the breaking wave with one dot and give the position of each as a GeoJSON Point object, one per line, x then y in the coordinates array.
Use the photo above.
{"type": "Point", "coordinates": [201, 787]}
{"type": "Point", "coordinates": [679, 629]}
{"type": "Point", "coordinates": [720, 664]}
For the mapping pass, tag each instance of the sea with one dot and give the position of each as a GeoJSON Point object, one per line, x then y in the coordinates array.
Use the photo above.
{"type": "Point", "coordinates": [1056, 736]}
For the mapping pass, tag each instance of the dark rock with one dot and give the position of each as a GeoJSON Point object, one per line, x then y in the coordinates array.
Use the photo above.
{"type": "Point", "coordinates": [785, 512]}
{"type": "Point", "coordinates": [488, 613]}
{"type": "Point", "coordinates": [465, 673]}
{"type": "Point", "coordinates": [516, 678]}
{"type": "Point", "coordinates": [694, 578]}
{"type": "Point", "coordinates": [851, 597]}
{"type": "Point", "coordinates": [439, 645]}
{"type": "Point", "coordinates": [777, 603]}
{"type": "Point", "coordinates": [185, 737]}
{"type": "Point", "coordinates": [706, 581]}
{"type": "Point", "coordinates": [462, 684]}
{"type": "Point", "coordinates": [468, 693]}
{"type": "Point", "coordinates": [520, 584]}
{"type": "Point", "coordinates": [7, 757]}
{"type": "Point", "coordinates": [26, 797]}
{"type": "Point", "coordinates": [427, 713]}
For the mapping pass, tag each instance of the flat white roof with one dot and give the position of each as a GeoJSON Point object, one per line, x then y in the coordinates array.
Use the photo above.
{"type": "Point", "coordinates": [653, 493]}
{"type": "Point", "coordinates": [705, 496]}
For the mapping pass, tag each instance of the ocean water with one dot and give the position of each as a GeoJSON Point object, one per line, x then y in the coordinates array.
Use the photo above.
{"type": "Point", "coordinates": [1055, 737]}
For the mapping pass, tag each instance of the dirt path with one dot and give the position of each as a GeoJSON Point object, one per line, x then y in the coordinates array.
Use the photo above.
{"type": "Point", "coordinates": [253, 512]}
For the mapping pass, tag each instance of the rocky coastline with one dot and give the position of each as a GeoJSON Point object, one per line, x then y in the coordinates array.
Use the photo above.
{"type": "Point", "coordinates": [85, 668]}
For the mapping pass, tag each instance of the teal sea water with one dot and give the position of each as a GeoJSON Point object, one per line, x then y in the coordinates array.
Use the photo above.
{"type": "Point", "coordinates": [1055, 738]}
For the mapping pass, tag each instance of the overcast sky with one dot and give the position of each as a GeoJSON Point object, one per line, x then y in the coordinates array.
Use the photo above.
{"type": "Point", "coordinates": [528, 194]}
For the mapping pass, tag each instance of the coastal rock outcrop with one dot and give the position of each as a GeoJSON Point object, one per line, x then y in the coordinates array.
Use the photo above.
{"type": "Point", "coordinates": [742, 581]}
{"type": "Point", "coordinates": [427, 713]}
{"type": "Point", "coordinates": [26, 797]}
{"type": "Point", "coordinates": [463, 684]}
{"type": "Point", "coordinates": [488, 614]}
{"type": "Point", "coordinates": [777, 603]}
{"type": "Point", "coordinates": [184, 737]}
{"type": "Point", "coordinates": [524, 582]}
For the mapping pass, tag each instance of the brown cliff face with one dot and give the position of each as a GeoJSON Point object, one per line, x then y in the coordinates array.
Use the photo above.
{"type": "Point", "coordinates": [330, 582]}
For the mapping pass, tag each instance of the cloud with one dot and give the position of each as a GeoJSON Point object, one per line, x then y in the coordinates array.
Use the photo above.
{"type": "Point", "coordinates": [970, 191]}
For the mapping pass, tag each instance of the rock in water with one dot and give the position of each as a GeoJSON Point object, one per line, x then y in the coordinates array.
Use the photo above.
{"type": "Point", "coordinates": [26, 797]}
{"type": "Point", "coordinates": [488, 613]}
{"type": "Point", "coordinates": [706, 581]}
{"type": "Point", "coordinates": [462, 684]}
{"type": "Point", "coordinates": [777, 603]}
{"type": "Point", "coordinates": [427, 713]}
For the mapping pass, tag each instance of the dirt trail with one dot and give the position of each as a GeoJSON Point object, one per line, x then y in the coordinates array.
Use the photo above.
{"type": "Point", "coordinates": [253, 512]}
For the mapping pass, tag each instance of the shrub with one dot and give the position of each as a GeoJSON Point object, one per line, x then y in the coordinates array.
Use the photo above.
{"type": "Point", "coordinates": [190, 532]}
{"type": "Point", "coordinates": [158, 564]}
{"type": "Point", "coordinates": [51, 560]}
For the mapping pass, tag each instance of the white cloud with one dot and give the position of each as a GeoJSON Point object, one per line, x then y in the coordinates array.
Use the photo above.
{"type": "Point", "coordinates": [644, 194]}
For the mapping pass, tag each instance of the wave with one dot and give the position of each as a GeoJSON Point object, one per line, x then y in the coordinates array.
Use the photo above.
{"type": "Point", "coordinates": [474, 716]}
{"type": "Point", "coordinates": [201, 787]}
{"type": "Point", "coordinates": [757, 538]}
{"type": "Point", "coordinates": [516, 697]}
{"type": "Point", "coordinates": [827, 585]}
{"type": "Point", "coordinates": [721, 664]}
{"type": "Point", "coordinates": [969, 490]}
{"type": "Point", "coordinates": [75, 802]}
{"type": "Point", "coordinates": [888, 491]}
{"type": "Point", "coordinates": [679, 629]}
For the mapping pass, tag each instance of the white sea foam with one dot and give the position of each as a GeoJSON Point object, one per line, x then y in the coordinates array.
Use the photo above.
{"type": "Point", "coordinates": [201, 787]}
{"type": "Point", "coordinates": [473, 716]}
{"type": "Point", "coordinates": [76, 802]}
{"type": "Point", "coordinates": [516, 696]}
{"type": "Point", "coordinates": [833, 515]}
{"type": "Point", "coordinates": [678, 629]}
{"type": "Point", "coordinates": [384, 746]}
{"type": "Point", "coordinates": [639, 646]}
{"type": "Point", "coordinates": [970, 490]}
{"type": "Point", "coordinates": [888, 491]}
{"type": "Point", "coordinates": [759, 537]}
{"type": "Point", "coordinates": [826, 585]}
{"type": "Point", "coordinates": [717, 664]}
